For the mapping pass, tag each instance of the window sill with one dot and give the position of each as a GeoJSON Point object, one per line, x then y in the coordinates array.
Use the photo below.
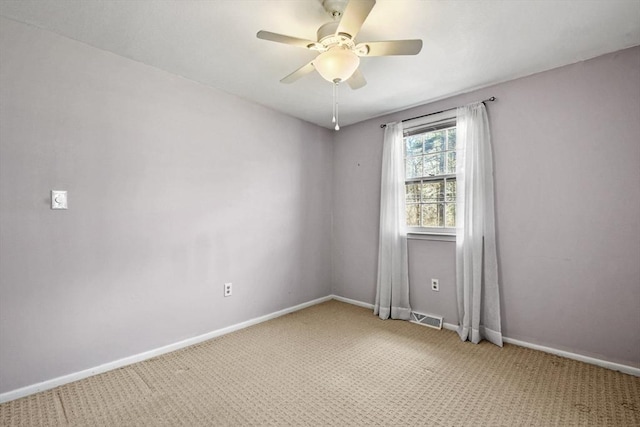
{"type": "Point", "coordinates": [440, 237]}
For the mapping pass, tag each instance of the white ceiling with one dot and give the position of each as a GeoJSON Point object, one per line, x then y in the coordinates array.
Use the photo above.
{"type": "Point", "coordinates": [467, 44]}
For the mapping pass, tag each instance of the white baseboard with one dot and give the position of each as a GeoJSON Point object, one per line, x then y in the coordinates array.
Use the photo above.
{"type": "Point", "coordinates": [65, 379]}
{"type": "Point", "coordinates": [569, 355]}
{"type": "Point", "coordinates": [579, 357]}
{"type": "Point", "coordinates": [352, 301]}
{"type": "Point", "coordinates": [450, 326]}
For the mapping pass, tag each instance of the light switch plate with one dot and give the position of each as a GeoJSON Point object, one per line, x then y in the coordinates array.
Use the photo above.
{"type": "Point", "coordinates": [58, 199]}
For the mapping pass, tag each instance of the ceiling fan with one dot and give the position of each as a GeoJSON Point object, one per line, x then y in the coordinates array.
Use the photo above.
{"type": "Point", "coordinates": [339, 55]}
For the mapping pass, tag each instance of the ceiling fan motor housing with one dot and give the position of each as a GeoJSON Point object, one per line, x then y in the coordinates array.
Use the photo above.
{"type": "Point", "coordinates": [327, 38]}
{"type": "Point", "coordinates": [327, 30]}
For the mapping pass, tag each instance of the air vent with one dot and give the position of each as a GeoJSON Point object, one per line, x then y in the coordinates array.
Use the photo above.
{"type": "Point", "coordinates": [426, 320]}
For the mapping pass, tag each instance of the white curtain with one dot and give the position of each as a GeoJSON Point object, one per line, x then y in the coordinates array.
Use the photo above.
{"type": "Point", "coordinates": [476, 260]}
{"type": "Point", "coordinates": [392, 296]}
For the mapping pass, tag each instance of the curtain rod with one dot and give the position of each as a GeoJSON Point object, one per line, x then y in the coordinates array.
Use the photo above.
{"type": "Point", "coordinates": [384, 125]}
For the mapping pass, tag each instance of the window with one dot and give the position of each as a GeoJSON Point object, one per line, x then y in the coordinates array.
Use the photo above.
{"type": "Point", "coordinates": [430, 175]}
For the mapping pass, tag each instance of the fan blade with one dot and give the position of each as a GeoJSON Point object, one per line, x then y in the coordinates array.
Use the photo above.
{"type": "Point", "coordinates": [354, 16]}
{"type": "Point", "coordinates": [281, 38]}
{"type": "Point", "coordinates": [300, 72]}
{"type": "Point", "coordinates": [356, 81]}
{"type": "Point", "coordinates": [393, 47]}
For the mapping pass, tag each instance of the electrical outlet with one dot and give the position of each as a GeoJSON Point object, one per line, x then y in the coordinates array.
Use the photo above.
{"type": "Point", "coordinates": [435, 285]}
{"type": "Point", "coordinates": [228, 287]}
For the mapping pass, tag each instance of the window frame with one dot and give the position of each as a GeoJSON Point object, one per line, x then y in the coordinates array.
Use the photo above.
{"type": "Point", "coordinates": [415, 126]}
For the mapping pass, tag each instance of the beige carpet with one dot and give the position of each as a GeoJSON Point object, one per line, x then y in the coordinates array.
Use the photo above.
{"type": "Point", "coordinates": [337, 364]}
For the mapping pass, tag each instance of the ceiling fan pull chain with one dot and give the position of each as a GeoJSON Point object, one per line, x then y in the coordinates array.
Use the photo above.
{"type": "Point", "coordinates": [335, 105]}
{"type": "Point", "coordinates": [333, 120]}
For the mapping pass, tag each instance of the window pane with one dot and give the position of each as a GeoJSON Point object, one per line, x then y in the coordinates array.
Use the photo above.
{"type": "Point", "coordinates": [413, 215]}
{"type": "Point", "coordinates": [432, 191]}
{"type": "Point", "coordinates": [451, 162]}
{"type": "Point", "coordinates": [434, 164]}
{"type": "Point", "coordinates": [432, 215]}
{"type": "Point", "coordinates": [412, 193]}
{"type": "Point", "coordinates": [432, 201]}
{"type": "Point", "coordinates": [413, 145]}
{"type": "Point", "coordinates": [434, 141]}
{"type": "Point", "coordinates": [450, 190]}
{"type": "Point", "coordinates": [413, 167]}
{"type": "Point", "coordinates": [451, 139]}
{"type": "Point", "coordinates": [451, 215]}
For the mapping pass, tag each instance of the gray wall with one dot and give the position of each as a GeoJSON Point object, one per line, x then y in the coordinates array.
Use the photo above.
{"type": "Point", "coordinates": [174, 189]}
{"type": "Point", "coordinates": [567, 175]}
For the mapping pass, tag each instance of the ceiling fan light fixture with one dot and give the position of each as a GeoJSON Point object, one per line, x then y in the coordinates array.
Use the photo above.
{"type": "Point", "coordinates": [336, 64]}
